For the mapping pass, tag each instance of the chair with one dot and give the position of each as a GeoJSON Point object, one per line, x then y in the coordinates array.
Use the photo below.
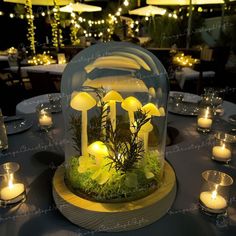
{"type": "Point", "coordinates": [11, 93]}
{"type": "Point", "coordinates": [41, 83]}
{"type": "Point", "coordinates": [206, 68]}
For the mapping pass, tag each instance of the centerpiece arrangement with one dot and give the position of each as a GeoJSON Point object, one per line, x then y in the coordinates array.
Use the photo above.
{"type": "Point", "coordinates": [114, 107]}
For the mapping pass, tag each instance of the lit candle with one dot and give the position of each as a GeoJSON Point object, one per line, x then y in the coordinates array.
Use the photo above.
{"type": "Point", "coordinates": [11, 191]}
{"type": "Point", "coordinates": [45, 120]}
{"type": "Point", "coordinates": [221, 153]}
{"type": "Point", "coordinates": [205, 122]}
{"type": "Point", "coordinates": [213, 201]}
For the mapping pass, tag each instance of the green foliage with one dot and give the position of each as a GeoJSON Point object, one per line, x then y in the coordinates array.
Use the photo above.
{"type": "Point", "coordinates": [75, 127]}
{"type": "Point", "coordinates": [124, 155]}
{"type": "Point", "coordinates": [120, 186]}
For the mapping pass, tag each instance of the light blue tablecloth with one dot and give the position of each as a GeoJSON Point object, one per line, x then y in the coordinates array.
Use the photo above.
{"type": "Point", "coordinates": [38, 154]}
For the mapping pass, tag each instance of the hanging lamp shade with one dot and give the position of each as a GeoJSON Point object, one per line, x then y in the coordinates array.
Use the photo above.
{"type": "Point", "coordinates": [79, 7]}
{"type": "Point", "coordinates": [183, 2]}
{"type": "Point", "coordinates": [148, 11]}
{"type": "Point", "coordinates": [42, 2]}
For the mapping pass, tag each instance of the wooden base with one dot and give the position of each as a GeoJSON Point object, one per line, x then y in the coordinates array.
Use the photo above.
{"type": "Point", "coordinates": [114, 217]}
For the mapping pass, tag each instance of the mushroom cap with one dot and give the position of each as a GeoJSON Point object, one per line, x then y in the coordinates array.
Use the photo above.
{"type": "Point", "coordinates": [147, 127]}
{"type": "Point", "coordinates": [152, 92]}
{"type": "Point", "coordinates": [98, 148]}
{"type": "Point", "coordinates": [117, 83]}
{"type": "Point", "coordinates": [162, 111]}
{"type": "Point", "coordinates": [113, 96]}
{"type": "Point", "coordinates": [151, 109]}
{"type": "Point", "coordinates": [131, 104]}
{"type": "Point", "coordinates": [82, 101]}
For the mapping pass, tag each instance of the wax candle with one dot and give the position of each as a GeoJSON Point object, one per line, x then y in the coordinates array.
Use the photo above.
{"type": "Point", "coordinates": [221, 153]}
{"type": "Point", "coordinates": [213, 201]}
{"type": "Point", "coordinates": [11, 191]}
{"type": "Point", "coordinates": [204, 122]}
{"type": "Point", "coordinates": [45, 120]}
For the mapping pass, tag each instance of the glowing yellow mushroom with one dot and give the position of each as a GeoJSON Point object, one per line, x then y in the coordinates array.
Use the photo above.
{"type": "Point", "coordinates": [150, 110]}
{"type": "Point", "coordinates": [112, 97]}
{"type": "Point", "coordinates": [83, 102]}
{"type": "Point", "coordinates": [98, 149]}
{"type": "Point", "coordinates": [144, 134]}
{"type": "Point", "coordinates": [131, 104]}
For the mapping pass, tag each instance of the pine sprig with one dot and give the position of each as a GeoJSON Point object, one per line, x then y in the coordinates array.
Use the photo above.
{"type": "Point", "coordinates": [75, 127]}
{"type": "Point", "coordinates": [125, 155]}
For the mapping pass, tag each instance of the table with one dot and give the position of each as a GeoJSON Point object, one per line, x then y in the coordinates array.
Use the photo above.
{"type": "Point", "coordinates": [28, 106]}
{"type": "Point", "coordinates": [3, 58]}
{"type": "Point", "coordinates": [187, 73]}
{"type": "Point", "coordinates": [54, 69]}
{"type": "Point", "coordinates": [39, 153]}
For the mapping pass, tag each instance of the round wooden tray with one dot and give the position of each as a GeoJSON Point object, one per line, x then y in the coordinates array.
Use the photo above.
{"type": "Point", "coordinates": [114, 217]}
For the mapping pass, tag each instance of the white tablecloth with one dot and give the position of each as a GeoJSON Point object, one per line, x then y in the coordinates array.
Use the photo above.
{"type": "Point", "coordinates": [55, 69]}
{"type": "Point", "coordinates": [3, 58]}
{"type": "Point", "coordinates": [187, 73]}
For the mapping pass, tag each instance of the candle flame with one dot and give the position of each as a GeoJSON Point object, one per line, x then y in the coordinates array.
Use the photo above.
{"type": "Point", "coordinates": [207, 113]}
{"type": "Point", "coordinates": [10, 181]}
{"type": "Point", "coordinates": [214, 193]}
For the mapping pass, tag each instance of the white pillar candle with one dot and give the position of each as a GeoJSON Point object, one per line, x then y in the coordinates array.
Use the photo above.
{"type": "Point", "coordinates": [11, 191]}
{"type": "Point", "coordinates": [221, 153]}
{"type": "Point", "coordinates": [45, 120]}
{"type": "Point", "coordinates": [213, 201]}
{"type": "Point", "coordinates": [204, 122]}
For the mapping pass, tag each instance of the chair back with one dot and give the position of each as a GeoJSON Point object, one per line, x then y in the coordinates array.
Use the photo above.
{"type": "Point", "coordinates": [206, 54]}
{"type": "Point", "coordinates": [42, 83]}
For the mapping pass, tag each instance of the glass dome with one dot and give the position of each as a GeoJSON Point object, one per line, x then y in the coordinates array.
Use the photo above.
{"type": "Point", "coordinates": [114, 102]}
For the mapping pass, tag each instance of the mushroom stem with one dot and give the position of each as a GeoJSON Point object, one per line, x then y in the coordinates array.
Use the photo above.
{"type": "Point", "coordinates": [131, 121]}
{"type": "Point", "coordinates": [145, 141]}
{"type": "Point", "coordinates": [104, 120]}
{"type": "Point", "coordinates": [112, 104]}
{"type": "Point", "coordinates": [84, 134]}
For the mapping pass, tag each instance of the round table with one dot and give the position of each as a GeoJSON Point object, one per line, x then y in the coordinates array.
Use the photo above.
{"type": "Point", "coordinates": [28, 106]}
{"type": "Point", "coordinates": [39, 153]}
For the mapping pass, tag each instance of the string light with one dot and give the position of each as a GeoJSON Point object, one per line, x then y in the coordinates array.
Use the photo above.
{"type": "Point", "coordinates": [41, 59]}
{"type": "Point", "coordinates": [56, 31]}
{"type": "Point", "coordinates": [126, 3]}
{"type": "Point", "coordinates": [182, 60]}
{"type": "Point", "coordinates": [199, 9]}
{"type": "Point", "coordinates": [30, 34]}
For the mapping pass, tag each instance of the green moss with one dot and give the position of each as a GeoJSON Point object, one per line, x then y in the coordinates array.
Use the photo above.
{"type": "Point", "coordinates": [119, 186]}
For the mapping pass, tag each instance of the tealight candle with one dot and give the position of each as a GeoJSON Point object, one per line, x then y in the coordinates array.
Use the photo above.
{"type": "Point", "coordinates": [213, 201]}
{"type": "Point", "coordinates": [11, 191]}
{"type": "Point", "coordinates": [214, 194]}
{"type": "Point", "coordinates": [45, 120]}
{"type": "Point", "coordinates": [44, 116]}
{"type": "Point", "coordinates": [222, 148]}
{"type": "Point", "coordinates": [204, 121]}
{"type": "Point", "coordinates": [221, 153]}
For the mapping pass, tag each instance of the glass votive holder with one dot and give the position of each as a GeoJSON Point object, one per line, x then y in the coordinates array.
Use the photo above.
{"type": "Point", "coordinates": [45, 120]}
{"type": "Point", "coordinates": [12, 190]}
{"type": "Point", "coordinates": [212, 98]}
{"type": "Point", "coordinates": [55, 102]}
{"type": "Point", "coordinates": [177, 99]}
{"type": "Point", "coordinates": [214, 194]}
{"type": "Point", "coordinates": [204, 120]}
{"type": "Point", "coordinates": [222, 149]}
